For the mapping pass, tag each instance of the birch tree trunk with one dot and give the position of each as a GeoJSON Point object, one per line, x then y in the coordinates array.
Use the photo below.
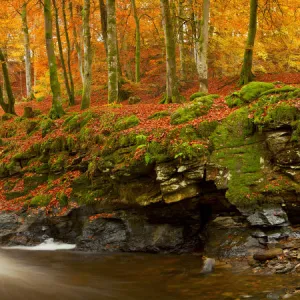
{"type": "Point", "coordinates": [87, 52]}
{"type": "Point", "coordinates": [246, 73]}
{"type": "Point", "coordinates": [112, 52]}
{"type": "Point", "coordinates": [172, 92]}
{"type": "Point", "coordinates": [76, 42]}
{"type": "Point", "coordinates": [103, 15]}
{"type": "Point", "coordinates": [72, 93]}
{"type": "Point", "coordinates": [56, 109]}
{"type": "Point", "coordinates": [29, 91]}
{"type": "Point", "coordinates": [202, 50]}
{"type": "Point", "coordinates": [8, 107]}
{"type": "Point", "coordinates": [137, 42]}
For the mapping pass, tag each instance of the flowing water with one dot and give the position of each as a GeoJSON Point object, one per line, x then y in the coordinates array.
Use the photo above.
{"type": "Point", "coordinates": [36, 275]}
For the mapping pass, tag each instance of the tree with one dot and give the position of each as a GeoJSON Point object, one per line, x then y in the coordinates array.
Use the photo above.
{"type": "Point", "coordinates": [246, 73]}
{"type": "Point", "coordinates": [28, 75]}
{"type": "Point", "coordinates": [172, 93]}
{"type": "Point", "coordinates": [137, 42]}
{"type": "Point", "coordinates": [61, 54]}
{"type": "Point", "coordinates": [112, 53]}
{"type": "Point", "coordinates": [72, 92]}
{"type": "Point", "coordinates": [103, 14]}
{"type": "Point", "coordinates": [202, 48]}
{"type": "Point", "coordinates": [76, 42]}
{"type": "Point", "coordinates": [56, 109]}
{"type": "Point", "coordinates": [8, 107]}
{"type": "Point", "coordinates": [87, 69]}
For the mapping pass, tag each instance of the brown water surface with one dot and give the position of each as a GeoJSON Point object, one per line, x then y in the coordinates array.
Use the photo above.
{"type": "Point", "coordinates": [35, 275]}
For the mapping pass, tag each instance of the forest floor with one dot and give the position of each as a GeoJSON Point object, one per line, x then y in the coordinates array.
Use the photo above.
{"type": "Point", "coordinates": [150, 95]}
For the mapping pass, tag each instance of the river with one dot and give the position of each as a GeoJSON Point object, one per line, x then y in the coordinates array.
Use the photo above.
{"type": "Point", "coordinates": [36, 275]}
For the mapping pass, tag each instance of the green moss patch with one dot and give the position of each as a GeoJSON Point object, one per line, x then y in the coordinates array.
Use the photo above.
{"type": "Point", "coordinates": [126, 123]}
{"type": "Point", "coordinates": [199, 107]}
{"type": "Point", "coordinates": [40, 200]}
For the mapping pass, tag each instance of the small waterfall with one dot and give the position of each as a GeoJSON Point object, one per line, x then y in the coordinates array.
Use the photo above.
{"type": "Point", "coordinates": [47, 245]}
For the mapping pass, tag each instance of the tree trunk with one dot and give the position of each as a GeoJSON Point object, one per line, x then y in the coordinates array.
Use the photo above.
{"type": "Point", "coordinates": [103, 14]}
{"type": "Point", "coordinates": [61, 54]}
{"type": "Point", "coordinates": [8, 107]}
{"type": "Point", "coordinates": [112, 51]}
{"type": "Point", "coordinates": [181, 39]}
{"type": "Point", "coordinates": [246, 73]}
{"type": "Point", "coordinates": [202, 67]}
{"type": "Point", "coordinates": [77, 44]}
{"type": "Point", "coordinates": [56, 110]}
{"type": "Point", "coordinates": [172, 92]}
{"type": "Point", "coordinates": [137, 42]}
{"type": "Point", "coordinates": [87, 50]}
{"type": "Point", "coordinates": [29, 92]}
{"type": "Point", "coordinates": [71, 96]}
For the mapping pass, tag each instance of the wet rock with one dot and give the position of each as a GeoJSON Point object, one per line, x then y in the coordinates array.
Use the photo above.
{"type": "Point", "coordinates": [208, 265]}
{"type": "Point", "coordinates": [268, 254]}
{"type": "Point", "coordinates": [268, 217]}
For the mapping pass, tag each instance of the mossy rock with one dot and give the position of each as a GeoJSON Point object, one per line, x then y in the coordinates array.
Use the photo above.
{"type": "Point", "coordinates": [282, 114]}
{"type": "Point", "coordinates": [126, 123]}
{"type": "Point", "coordinates": [248, 93]}
{"type": "Point", "coordinates": [197, 95]}
{"type": "Point", "coordinates": [159, 115]}
{"type": "Point", "coordinates": [134, 100]}
{"type": "Point", "coordinates": [206, 128]}
{"type": "Point", "coordinates": [7, 117]}
{"type": "Point", "coordinates": [254, 89]}
{"type": "Point", "coordinates": [199, 107]}
{"type": "Point", "coordinates": [233, 130]}
{"type": "Point", "coordinates": [40, 200]}
{"type": "Point", "coordinates": [282, 90]}
{"type": "Point", "coordinates": [46, 126]}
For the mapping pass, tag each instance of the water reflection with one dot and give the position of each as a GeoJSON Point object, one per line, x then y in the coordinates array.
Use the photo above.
{"type": "Point", "coordinates": [29, 275]}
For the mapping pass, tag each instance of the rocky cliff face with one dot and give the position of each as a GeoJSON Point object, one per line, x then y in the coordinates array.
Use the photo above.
{"type": "Point", "coordinates": [230, 187]}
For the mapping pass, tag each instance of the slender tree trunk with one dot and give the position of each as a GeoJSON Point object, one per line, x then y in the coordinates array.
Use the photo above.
{"type": "Point", "coordinates": [202, 66]}
{"type": "Point", "coordinates": [137, 42]}
{"type": "Point", "coordinates": [246, 73]}
{"type": "Point", "coordinates": [71, 96]}
{"type": "Point", "coordinates": [172, 92]}
{"type": "Point", "coordinates": [60, 48]}
{"type": "Point", "coordinates": [56, 110]}
{"type": "Point", "coordinates": [77, 44]}
{"type": "Point", "coordinates": [112, 51]}
{"type": "Point", "coordinates": [10, 106]}
{"type": "Point", "coordinates": [2, 102]}
{"type": "Point", "coordinates": [181, 39]}
{"type": "Point", "coordinates": [29, 91]}
{"type": "Point", "coordinates": [103, 14]}
{"type": "Point", "coordinates": [87, 50]}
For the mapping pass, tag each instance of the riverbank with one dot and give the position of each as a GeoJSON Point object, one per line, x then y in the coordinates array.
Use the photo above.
{"type": "Point", "coordinates": [216, 174]}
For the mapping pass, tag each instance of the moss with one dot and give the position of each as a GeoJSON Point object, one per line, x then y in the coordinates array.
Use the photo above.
{"type": "Point", "coordinates": [197, 95]}
{"type": "Point", "coordinates": [281, 114]}
{"type": "Point", "coordinates": [62, 199]}
{"type": "Point", "coordinates": [296, 132]}
{"type": "Point", "coordinates": [276, 91]}
{"type": "Point", "coordinates": [206, 128]}
{"type": "Point", "coordinates": [7, 117]}
{"type": "Point", "coordinates": [40, 200]}
{"type": "Point", "coordinates": [248, 93]}
{"type": "Point", "coordinates": [126, 123]}
{"type": "Point", "coordinates": [76, 122]}
{"type": "Point", "coordinates": [160, 115]}
{"type": "Point", "coordinates": [193, 110]}
{"type": "Point", "coordinates": [254, 89]}
{"type": "Point", "coordinates": [46, 126]}
{"type": "Point", "coordinates": [233, 131]}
